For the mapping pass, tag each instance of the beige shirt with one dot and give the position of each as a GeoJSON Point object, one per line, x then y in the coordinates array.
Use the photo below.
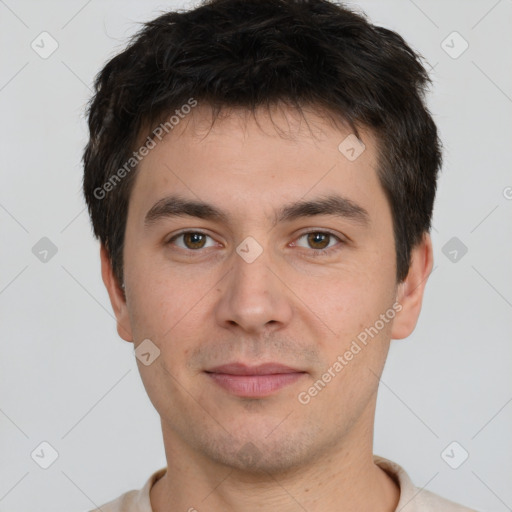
{"type": "Point", "coordinates": [412, 499]}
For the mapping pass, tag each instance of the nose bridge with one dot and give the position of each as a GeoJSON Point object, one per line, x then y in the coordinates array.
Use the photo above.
{"type": "Point", "coordinates": [251, 270]}
{"type": "Point", "coordinates": [253, 296]}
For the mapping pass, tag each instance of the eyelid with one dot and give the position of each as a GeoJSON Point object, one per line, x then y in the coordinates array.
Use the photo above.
{"type": "Point", "coordinates": [325, 231]}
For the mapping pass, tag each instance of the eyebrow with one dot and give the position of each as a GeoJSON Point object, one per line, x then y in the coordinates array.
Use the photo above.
{"type": "Point", "coordinates": [336, 205]}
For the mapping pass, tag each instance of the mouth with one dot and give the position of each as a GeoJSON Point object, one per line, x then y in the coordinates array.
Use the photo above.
{"type": "Point", "coordinates": [254, 381]}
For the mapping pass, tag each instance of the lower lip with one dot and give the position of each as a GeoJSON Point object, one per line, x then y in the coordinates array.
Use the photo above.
{"type": "Point", "coordinates": [255, 386]}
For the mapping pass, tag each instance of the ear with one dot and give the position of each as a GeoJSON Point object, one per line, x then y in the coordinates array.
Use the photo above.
{"type": "Point", "coordinates": [410, 291]}
{"type": "Point", "coordinates": [117, 298]}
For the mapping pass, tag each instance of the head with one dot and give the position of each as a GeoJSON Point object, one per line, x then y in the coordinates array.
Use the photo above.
{"type": "Point", "coordinates": [261, 176]}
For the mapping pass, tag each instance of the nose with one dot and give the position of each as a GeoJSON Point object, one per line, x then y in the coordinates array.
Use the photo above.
{"type": "Point", "coordinates": [254, 297]}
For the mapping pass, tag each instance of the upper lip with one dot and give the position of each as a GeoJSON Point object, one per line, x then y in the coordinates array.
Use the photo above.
{"type": "Point", "coordinates": [245, 369]}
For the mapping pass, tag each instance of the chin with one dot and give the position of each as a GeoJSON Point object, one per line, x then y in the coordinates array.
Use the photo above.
{"type": "Point", "coordinates": [263, 454]}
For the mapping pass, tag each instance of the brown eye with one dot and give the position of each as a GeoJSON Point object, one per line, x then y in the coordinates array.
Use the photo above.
{"type": "Point", "coordinates": [192, 240]}
{"type": "Point", "coordinates": [320, 242]}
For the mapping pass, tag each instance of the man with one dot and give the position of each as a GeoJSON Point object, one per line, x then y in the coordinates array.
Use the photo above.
{"type": "Point", "coordinates": [261, 176]}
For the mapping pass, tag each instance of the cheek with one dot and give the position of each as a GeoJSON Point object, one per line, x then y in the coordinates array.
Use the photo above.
{"type": "Point", "coordinates": [160, 294]}
{"type": "Point", "coordinates": [353, 305]}
{"type": "Point", "coordinates": [164, 316]}
{"type": "Point", "coordinates": [174, 316]}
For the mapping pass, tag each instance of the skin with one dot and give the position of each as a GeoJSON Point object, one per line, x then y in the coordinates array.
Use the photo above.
{"type": "Point", "coordinates": [207, 306]}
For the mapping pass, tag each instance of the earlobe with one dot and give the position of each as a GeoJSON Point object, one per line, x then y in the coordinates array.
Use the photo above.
{"type": "Point", "coordinates": [116, 295]}
{"type": "Point", "coordinates": [410, 291]}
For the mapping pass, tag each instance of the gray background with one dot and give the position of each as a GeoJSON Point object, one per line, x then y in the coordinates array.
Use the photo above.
{"type": "Point", "coordinates": [67, 378]}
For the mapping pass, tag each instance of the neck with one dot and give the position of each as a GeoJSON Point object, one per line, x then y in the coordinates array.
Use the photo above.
{"type": "Point", "coordinates": [344, 478]}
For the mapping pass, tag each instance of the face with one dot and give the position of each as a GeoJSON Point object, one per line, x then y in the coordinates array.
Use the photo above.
{"type": "Point", "coordinates": [237, 270]}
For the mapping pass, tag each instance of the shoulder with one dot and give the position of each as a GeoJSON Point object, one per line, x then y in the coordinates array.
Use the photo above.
{"type": "Point", "coordinates": [427, 501]}
{"type": "Point", "coordinates": [124, 503]}
{"type": "Point", "coordinates": [412, 498]}
{"type": "Point", "coordinates": [135, 500]}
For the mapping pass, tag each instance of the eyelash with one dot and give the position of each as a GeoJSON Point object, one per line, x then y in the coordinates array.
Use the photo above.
{"type": "Point", "coordinates": [316, 252]}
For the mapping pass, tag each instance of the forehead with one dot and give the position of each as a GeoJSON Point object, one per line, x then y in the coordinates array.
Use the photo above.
{"type": "Point", "coordinates": [250, 161]}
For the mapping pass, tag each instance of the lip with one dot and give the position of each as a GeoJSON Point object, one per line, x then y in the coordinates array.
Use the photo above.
{"type": "Point", "coordinates": [260, 369]}
{"type": "Point", "coordinates": [254, 381]}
